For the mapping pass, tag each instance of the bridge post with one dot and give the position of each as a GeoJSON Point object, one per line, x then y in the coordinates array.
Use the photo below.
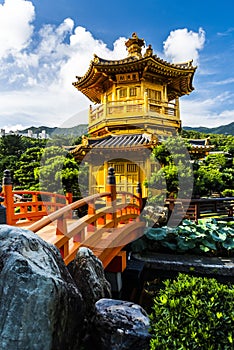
{"type": "Point", "coordinates": [69, 197]}
{"type": "Point", "coordinates": [111, 201]}
{"type": "Point", "coordinates": [2, 210]}
{"type": "Point", "coordinates": [139, 195]}
{"type": "Point", "coordinates": [8, 197]}
{"type": "Point", "coordinates": [91, 212]}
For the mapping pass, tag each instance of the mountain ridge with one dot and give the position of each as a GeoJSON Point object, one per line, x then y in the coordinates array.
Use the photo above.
{"type": "Point", "coordinates": [82, 129]}
{"type": "Point", "coordinates": [227, 129]}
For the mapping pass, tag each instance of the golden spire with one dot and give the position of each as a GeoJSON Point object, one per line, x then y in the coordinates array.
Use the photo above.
{"type": "Point", "coordinates": [134, 45]}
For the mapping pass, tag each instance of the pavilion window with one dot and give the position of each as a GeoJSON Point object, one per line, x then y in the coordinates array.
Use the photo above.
{"type": "Point", "coordinates": [154, 95]}
{"type": "Point", "coordinates": [131, 168]}
{"type": "Point", "coordinates": [133, 91]}
{"type": "Point", "coordinates": [123, 93]}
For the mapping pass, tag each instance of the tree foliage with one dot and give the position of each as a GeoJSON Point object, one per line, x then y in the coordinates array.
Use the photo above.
{"type": "Point", "coordinates": [58, 171]}
{"type": "Point", "coordinates": [176, 169]}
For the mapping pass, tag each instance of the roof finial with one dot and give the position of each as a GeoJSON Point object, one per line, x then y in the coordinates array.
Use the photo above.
{"type": "Point", "coordinates": [134, 45]}
{"type": "Point", "coordinates": [149, 51]}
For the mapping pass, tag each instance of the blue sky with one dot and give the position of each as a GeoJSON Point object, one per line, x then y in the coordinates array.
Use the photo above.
{"type": "Point", "coordinates": [45, 44]}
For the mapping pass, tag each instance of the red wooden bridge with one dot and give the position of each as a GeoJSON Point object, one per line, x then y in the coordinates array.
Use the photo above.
{"type": "Point", "coordinates": [111, 220]}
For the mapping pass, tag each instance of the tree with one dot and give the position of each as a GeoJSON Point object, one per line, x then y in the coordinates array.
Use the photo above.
{"type": "Point", "coordinates": [11, 149]}
{"type": "Point", "coordinates": [58, 171]}
{"type": "Point", "coordinates": [213, 174]}
{"type": "Point", "coordinates": [176, 168]}
{"type": "Point", "coordinates": [24, 176]}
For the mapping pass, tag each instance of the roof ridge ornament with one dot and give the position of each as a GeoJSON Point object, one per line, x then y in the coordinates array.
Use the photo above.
{"type": "Point", "coordinates": [134, 45]}
{"type": "Point", "coordinates": [149, 51]}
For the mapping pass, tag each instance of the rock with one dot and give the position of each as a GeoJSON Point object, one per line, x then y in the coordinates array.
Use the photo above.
{"type": "Point", "coordinates": [121, 325]}
{"type": "Point", "coordinates": [88, 273]}
{"type": "Point", "coordinates": [155, 215]}
{"type": "Point", "coordinates": [40, 305]}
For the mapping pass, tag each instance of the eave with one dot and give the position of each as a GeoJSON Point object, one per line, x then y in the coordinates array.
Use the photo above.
{"type": "Point", "coordinates": [100, 71]}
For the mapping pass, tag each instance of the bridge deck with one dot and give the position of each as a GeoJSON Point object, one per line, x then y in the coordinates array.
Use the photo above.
{"type": "Point", "coordinates": [105, 243]}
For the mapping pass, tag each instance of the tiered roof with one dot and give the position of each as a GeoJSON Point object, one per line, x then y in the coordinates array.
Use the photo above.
{"type": "Point", "coordinates": [102, 72]}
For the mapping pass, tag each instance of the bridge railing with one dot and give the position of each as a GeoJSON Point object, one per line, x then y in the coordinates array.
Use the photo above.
{"type": "Point", "coordinates": [23, 206]}
{"type": "Point", "coordinates": [108, 225]}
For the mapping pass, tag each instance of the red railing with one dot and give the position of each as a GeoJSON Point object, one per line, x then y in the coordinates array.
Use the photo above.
{"type": "Point", "coordinates": [111, 222]}
{"type": "Point", "coordinates": [105, 229]}
{"type": "Point", "coordinates": [29, 206]}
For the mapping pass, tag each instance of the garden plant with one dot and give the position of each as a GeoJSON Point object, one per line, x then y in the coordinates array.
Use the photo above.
{"type": "Point", "coordinates": [193, 313]}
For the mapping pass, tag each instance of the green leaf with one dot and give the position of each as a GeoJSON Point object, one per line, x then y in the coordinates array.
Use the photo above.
{"type": "Point", "coordinates": [188, 222]}
{"type": "Point", "coordinates": [208, 244]}
{"type": "Point", "coordinates": [229, 243]}
{"type": "Point", "coordinates": [218, 236]}
{"type": "Point", "coordinates": [184, 244]}
{"type": "Point", "coordinates": [204, 249]}
{"type": "Point", "coordinates": [156, 234]}
{"type": "Point", "coordinates": [197, 235]}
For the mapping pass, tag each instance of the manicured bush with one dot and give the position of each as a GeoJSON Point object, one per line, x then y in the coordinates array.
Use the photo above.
{"type": "Point", "coordinates": [193, 313]}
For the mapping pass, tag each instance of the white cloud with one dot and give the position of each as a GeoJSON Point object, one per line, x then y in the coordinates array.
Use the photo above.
{"type": "Point", "coordinates": [229, 31]}
{"type": "Point", "coordinates": [15, 26]}
{"type": "Point", "coordinates": [223, 82]}
{"type": "Point", "coordinates": [36, 82]}
{"type": "Point", "coordinates": [206, 111]}
{"type": "Point", "coordinates": [183, 45]}
{"type": "Point", "coordinates": [37, 71]}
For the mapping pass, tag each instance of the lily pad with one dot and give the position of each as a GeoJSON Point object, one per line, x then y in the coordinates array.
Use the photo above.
{"type": "Point", "coordinates": [208, 244]}
{"type": "Point", "coordinates": [218, 236]}
{"type": "Point", "coordinates": [184, 244]}
{"type": "Point", "coordinates": [229, 243]}
{"type": "Point", "coordinates": [156, 234]}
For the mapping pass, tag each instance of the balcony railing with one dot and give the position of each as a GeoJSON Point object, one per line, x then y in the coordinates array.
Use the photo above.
{"type": "Point", "coordinates": [117, 109]}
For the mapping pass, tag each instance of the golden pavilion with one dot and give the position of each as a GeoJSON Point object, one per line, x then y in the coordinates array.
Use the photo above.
{"type": "Point", "coordinates": [136, 105]}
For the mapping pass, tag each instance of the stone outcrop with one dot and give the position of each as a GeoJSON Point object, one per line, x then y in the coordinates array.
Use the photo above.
{"type": "Point", "coordinates": [40, 305]}
{"type": "Point", "coordinates": [88, 273]}
{"type": "Point", "coordinates": [120, 325]}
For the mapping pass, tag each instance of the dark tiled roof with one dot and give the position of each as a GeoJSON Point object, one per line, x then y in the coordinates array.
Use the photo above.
{"type": "Point", "coordinates": [198, 142]}
{"type": "Point", "coordinates": [117, 141]}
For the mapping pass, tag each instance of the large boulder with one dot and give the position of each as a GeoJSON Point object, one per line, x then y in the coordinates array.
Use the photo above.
{"type": "Point", "coordinates": [40, 305]}
{"type": "Point", "coordinates": [88, 273]}
{"type": "Point", "coordinates": [120, 325]}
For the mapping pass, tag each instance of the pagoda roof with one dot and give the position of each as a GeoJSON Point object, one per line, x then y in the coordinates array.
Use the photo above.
{"type": "Point", "coordinates": [123, 142]}
{"type": "Point", "coordinates": [178, 76]}
{"type": "Point", "coordinates": [118, 141]}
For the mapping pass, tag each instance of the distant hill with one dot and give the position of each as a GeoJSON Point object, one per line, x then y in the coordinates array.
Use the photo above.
{"type": "Point", "coordinates": [222, 129]}
{"type": "Point", "coordinates": [73, 131]}
{"type": "Point", "coordinates": [82, 129]}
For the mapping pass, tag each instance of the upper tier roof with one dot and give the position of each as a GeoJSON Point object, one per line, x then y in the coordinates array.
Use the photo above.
{"type": "Point", "coordinates": [102, 72]}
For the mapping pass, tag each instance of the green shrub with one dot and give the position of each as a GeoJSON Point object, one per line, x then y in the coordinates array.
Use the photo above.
{"type": "Point", "coordinates": [193, 313]}
{"type": "Point", "coordinates": [228, 193]}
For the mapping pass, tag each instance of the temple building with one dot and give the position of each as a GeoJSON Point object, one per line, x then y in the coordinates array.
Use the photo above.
{"type": "Point", "coordinates": [200, 147]}
{"type": "Point", "coordinates": [136, 106]}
